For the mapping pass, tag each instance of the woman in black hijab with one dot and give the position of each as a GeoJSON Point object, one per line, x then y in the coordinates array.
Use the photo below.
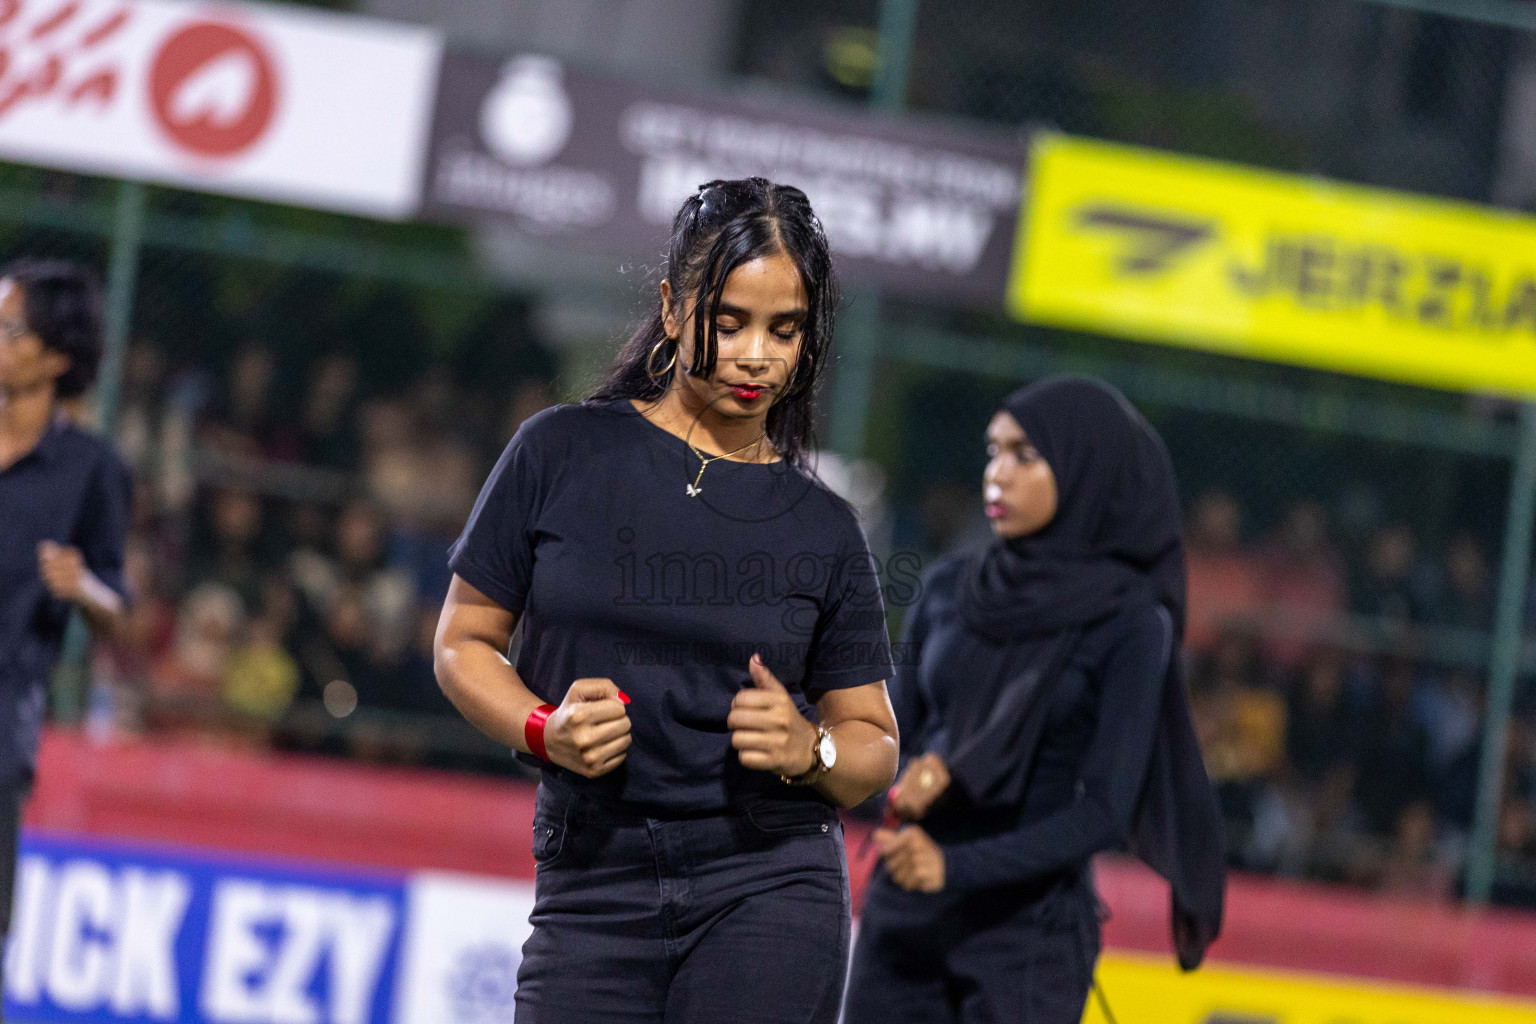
{"type": "Point", "coordinates": [1043, 721]}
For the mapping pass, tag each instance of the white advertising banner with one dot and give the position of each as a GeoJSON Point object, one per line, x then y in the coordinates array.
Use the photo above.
{"type": "Point", "coordinates": [275, 103]}
{"type": "Point", "coordinates": [462, 946]}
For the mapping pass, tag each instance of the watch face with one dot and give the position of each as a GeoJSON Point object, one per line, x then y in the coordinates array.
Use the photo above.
{"type": "Point", "coordinates": [828, 750]}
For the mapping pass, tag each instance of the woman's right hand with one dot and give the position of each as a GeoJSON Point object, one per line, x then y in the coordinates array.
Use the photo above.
{"type": "Point", "coordinates": [589, 732]}
{"type": "Point", "coordinates": [924, 781]}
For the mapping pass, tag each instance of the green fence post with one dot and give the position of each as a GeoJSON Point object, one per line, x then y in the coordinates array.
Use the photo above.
{"type": "Point", "coordinates": [858, 338]}
{"type": "Point", "coordinates": [893, 56]}
{"type": "Point", "coordinates": [858, 333]}
{"type": "Point", "coordinates": [122, 278]}
{"type": "Point", "coordinates": [1514, 574]}
{"type": "Point", "coordinates": [70, 680]}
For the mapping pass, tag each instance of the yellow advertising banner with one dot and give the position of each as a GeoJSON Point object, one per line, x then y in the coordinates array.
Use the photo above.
{"type": "Point", "coordinates": [1299, 270]}
{"type": "Point", "coordinates": [1143, 990]}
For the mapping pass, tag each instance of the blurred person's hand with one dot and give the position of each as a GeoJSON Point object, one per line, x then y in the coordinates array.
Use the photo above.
{"type": "Point", "coordinates": [925, 780]}
{"type": "Point", "coordinates": [914, 861]}
{"type": "Point", "coordinates": [63, 570]}
{"type": "Point", "coordinates": [589, 732]}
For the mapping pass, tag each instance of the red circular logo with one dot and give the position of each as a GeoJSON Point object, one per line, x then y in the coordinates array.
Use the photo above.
{"type": "Point", "coordinates": [213, 89]}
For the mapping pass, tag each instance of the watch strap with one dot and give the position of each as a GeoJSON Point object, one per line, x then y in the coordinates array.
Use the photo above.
{"type": "Point", "coordinates": [818, 766]}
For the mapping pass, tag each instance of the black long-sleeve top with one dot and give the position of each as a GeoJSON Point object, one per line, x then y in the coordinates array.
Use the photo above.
{"type": "Point", "coordinates": [1092, 758]}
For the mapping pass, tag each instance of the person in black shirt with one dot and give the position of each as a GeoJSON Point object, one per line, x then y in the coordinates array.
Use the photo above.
{"type": "Point", "coordinates": [702, 672]}
{"type": "Point", "coordinates": [1045, 720]}
{"type": "Point", "coordinates": [64, 493]}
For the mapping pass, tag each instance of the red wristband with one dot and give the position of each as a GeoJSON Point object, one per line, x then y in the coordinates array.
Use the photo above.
{"type": "Point", "coordinates": [533, 730]}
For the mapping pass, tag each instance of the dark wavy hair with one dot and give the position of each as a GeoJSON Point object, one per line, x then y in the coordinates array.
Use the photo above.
{"type": "Point", "coordinates": [721, 226]}
{"type": "Point", "coordinates": [63, 308]}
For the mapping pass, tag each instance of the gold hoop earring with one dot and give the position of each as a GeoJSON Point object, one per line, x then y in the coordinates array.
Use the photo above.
{"type": "Point", "coordinates": [651, 358]}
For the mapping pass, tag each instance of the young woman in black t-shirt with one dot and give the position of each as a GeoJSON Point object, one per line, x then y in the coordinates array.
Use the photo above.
{"type": "Point", "coordinates": [702, 672]}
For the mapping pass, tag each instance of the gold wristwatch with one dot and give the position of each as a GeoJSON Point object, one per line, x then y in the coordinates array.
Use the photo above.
{"type": "Point", "coordinates": [824, 756]}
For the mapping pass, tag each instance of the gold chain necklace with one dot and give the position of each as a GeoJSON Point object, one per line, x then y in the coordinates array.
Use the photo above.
{"type": "Point", "coordinates": [693, 489]}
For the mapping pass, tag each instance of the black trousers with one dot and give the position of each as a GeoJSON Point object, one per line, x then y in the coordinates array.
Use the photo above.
{"type": "Point", "coordinates": [1022, 956]}
{"type": "Point", "coordinates": [12, 800]}
{"type": "Point", "coordinates": [740, 918]}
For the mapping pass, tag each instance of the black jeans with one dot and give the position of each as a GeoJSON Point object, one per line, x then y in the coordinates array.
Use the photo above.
{"type": "Point", "coordinates": [12, 800]}
{"type": "Point", "coordinates": [1021, 956]}
{"type": "Point", "coordinates": [739, 917]}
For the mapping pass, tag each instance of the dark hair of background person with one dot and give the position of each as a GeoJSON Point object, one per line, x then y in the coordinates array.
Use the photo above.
{"type": "Point", "coordinates": [63, 308]}
{"type": "Point", "coordinates": [720, 227]}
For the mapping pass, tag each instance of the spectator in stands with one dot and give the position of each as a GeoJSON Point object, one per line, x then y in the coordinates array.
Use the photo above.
{"type": "Point", "coordinates": [1517, 828]}
{"type": "Point", "coordinates": [1242, 727]}
{"type": "Point", "coordinates": [140, 407]}
{"type": "Point", "coordinates": [1304, 586]}
{"type": "Point", "coordinates": [1322, 744]}
{"type": "Point", "coordinates": [126, 661]}
{"type": "Point", "coordinates": [187, 686]}
{"type": "Point", "coordinates": [1322, 728]}
{"type": "Point", "coordinates": [415, 686]}
{"type": "Point", "coordinates": [355, 559]}
{"type": "Point", "coordinates": [426, 486]}
{"type": "Point", "coordinates": [1450, 705]}
{"type": "Point", "coordinates": [1394, 759]}
{"type": "Point", "coordinates": [1226, 582]}
{"type": "Point", "coordinates": [232, 556]}
{"type": "Point", "coordinates": [328, 422]}
{"type": "Point", "coordinates": [1414, 867]}
{"type": "Point", "coordinates": [1466, 594]}
{"type": "Point", "coordinates": [243, 422]}
{"type": "Point", "coordinates": [1393, 586]}
{"type": "Point", "coordinates": [309, 567]}
{"type": "Point", "coordinates": [388, 594]}
{"type": "Point", "coordinates": [261, 679]}
{"type": "Point", "coordinates": [367, 667]}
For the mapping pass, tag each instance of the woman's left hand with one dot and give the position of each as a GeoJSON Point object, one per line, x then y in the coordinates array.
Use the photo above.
{"type": "Point", "coordinates": [767, 729]}
{"type": "Point", "coordinates": [914, 860]}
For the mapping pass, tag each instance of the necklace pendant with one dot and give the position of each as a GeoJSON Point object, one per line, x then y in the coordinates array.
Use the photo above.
{"type": "Point", "coordinates": [692, 490]}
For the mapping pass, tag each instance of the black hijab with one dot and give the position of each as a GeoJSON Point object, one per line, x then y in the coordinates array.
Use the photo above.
{"type": "Point", "coordinates": [1116, 540]}
{"type": "Point", "coordinates": [1117, 527]}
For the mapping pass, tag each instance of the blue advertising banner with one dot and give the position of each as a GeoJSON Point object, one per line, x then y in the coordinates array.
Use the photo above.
{"type": "Point", "coordinates": [117, 932]}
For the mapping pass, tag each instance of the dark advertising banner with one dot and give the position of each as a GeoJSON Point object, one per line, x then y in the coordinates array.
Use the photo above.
{"type": "Point", "coordinates": [603, 164]}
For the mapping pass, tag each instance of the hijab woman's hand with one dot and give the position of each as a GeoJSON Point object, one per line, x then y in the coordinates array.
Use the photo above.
{"type": "Point", "coordinates": [915, 862]}
{"type": "Point", "coordinates": [925, 780]}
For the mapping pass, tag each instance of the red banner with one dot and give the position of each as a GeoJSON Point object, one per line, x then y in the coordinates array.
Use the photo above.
{"type": "Point", "coordinates": [327, 810]}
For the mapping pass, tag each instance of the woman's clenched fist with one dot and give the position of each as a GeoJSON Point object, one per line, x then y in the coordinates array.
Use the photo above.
{"type": "Point", "coordinates": [589, 732]}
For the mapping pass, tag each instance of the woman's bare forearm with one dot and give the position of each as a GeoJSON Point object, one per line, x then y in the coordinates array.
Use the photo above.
{"type": "Point", "coordinates": [101, 606]}
{"type": "Point", "coordinates": [486, 689]}
{"type": "Point", "coordinates": [866, 762]}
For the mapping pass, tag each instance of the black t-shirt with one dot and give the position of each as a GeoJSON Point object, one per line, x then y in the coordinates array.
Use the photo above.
{"type": "Point", "coordinates": [585, 528]}
{"type": "Point", "coordinates": [73, 489]}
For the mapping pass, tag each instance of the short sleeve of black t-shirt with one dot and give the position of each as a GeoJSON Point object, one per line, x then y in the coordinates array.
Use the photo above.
{"type": "Point", "coordinates": [102, 533]}
{"type": "Point", "coordinates": [495, 552]}
{"type": "Point", "coordinates": [585, 528]}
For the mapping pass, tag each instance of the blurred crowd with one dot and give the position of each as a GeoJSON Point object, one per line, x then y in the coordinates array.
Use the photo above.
{"type": "Point", "coordinates": [1340, 719]}
{"type": "Point", "coordinates": [290, 554]}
